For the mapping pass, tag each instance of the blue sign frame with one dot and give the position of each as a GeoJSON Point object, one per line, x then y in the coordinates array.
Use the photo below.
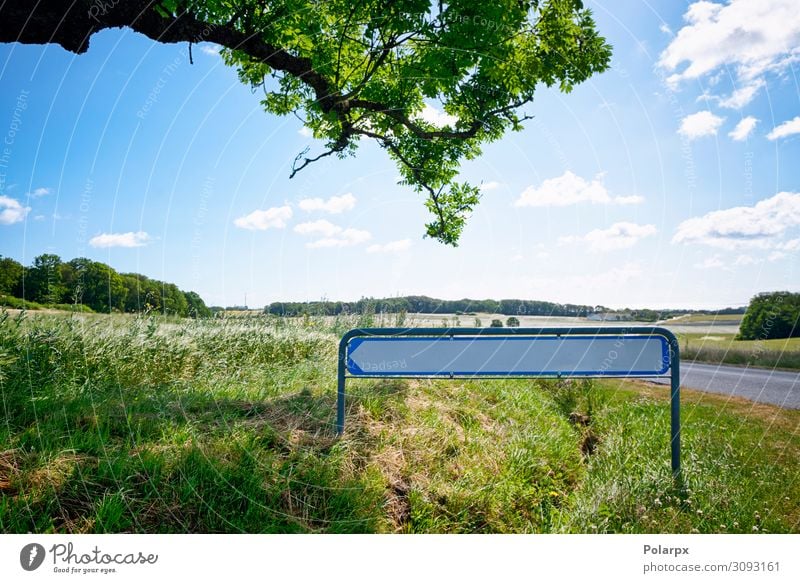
{"type": "Point", "coordinates": [670, 345]}
{"type": "Point", "coordinates": [356, 371]}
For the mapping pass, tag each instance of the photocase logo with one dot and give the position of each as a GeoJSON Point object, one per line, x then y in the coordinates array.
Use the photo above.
{"type": "Point", "coordinates": [31, 556]}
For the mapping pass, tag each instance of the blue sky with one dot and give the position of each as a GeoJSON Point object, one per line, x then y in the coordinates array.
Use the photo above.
{"type": "Point", "coordinates": [672, 180]}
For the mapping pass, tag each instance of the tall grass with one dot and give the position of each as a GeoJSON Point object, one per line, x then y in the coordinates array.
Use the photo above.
{"type": "Point", "coordinates": [146, 424]}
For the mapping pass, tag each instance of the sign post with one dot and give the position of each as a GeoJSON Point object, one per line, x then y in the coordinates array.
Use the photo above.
{"type": "Point", "coordinates": [485, 353]}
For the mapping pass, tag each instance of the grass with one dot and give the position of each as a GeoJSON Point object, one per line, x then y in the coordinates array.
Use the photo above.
{"type": "Point", "coordinates": [723, 348]}
{"type": "Point", "coordinates": [17, 303]}
{"type": "Point", "coordinates": [8, 301]}
{"type": "Point", "coordinates": [123, 424]}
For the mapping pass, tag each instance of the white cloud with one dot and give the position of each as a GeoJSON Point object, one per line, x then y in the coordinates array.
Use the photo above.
{"type": "Point", "coordinates": [750, 38]}
{"type": "Point", "coordinates": [746, 260]}
{"type": "Point", "coordinates": [334, 205]}
{"type": "Point", "coordinates": [11, 211]}
{"type": "Point", "coordinates": [438, 118]}
{"type": "Point", "coordinates": [776, 256]}
{"type": "Point", "coordinates": [706, 96]}
{"type": "Point", "coordinates": [787, 128]}
{"type": "Point", "coordinates": [391, 247]}
{"type": "Point", "coordinates": [322, 228]}
{"type": "Point", "coordinates": [702, 123]}
{"type": "Point", "coordinates": [41, 192]}
{"type": "Point", "coordinates": [736, 100]}
{"type": "Point", "coordinates": [491, 185]}
{"type": "Point", "coordinates": [261, 220]}
{"type": "Point", "coordinates": [618, 236]}
{"type": "Point", "coordinates": [569, 189]}
{"type": "Point", "coordinates": [716, 78]}
{"type": "Point", "coordinates": [744, 128]}
{"type": "Point", "coordinates": [305, 132]}
{"type": "Point", "coordinates": [131, 239]}
{"type": "Point", "coordinates": [665, 29]}
{"type": "Point", "coordinates": [345, 238]}
{"type": "Point", "coordinates": [757, 226]}
{"type": "Point", "coordinates": [742, 96]}
{"type": "Point", "coordinates": [211, 49]}
{"type": "Point", "coordinates": [332, 235]}
{"type": "Point", "coordinates": [792, 245]}
{"type": "Point", "coordinates": [713, 262]}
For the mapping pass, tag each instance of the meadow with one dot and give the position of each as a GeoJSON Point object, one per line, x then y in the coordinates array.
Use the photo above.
{"type": "Point", "coordinates": [150, 424]}
{"type": "Point", "coordinates": [725, 349]}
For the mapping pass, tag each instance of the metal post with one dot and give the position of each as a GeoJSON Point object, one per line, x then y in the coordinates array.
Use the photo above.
{"type": "Point", "coordinates": [340, 398]}
{"type": "Point", "coordinates": [675, 408]}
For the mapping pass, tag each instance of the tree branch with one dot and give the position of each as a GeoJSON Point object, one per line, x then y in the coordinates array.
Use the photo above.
{"type": "Point", "coordinates": [339, 146]}
{"type": "Point", "coordinates": [78, 20]}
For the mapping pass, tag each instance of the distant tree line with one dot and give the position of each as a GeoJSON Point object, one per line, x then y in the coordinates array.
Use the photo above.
{"type": "Point", "coordinates": [83, 282]}
{"type": "Point", "coordinates": [771, 315]}
{"type": "Point", "coordinates": [427, 305]}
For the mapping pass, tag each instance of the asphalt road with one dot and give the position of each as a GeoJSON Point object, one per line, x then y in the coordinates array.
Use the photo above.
{"type": "Point", "coordinates": [776, 387]}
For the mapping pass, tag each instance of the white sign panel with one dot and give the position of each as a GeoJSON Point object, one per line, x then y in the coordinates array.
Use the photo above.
{"type": "Point", "coordinates": [624, 355]}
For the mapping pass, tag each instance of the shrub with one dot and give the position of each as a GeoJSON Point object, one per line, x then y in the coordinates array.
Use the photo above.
{"type": "Point", "coordinates": [771, 315]}
{"type": "Point", "coordinates": [19, 304]}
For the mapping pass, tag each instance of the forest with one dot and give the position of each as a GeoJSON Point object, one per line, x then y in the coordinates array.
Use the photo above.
{"type": "Point", "coordinates": [85, 285]}
{"type": "Point", "coordinates": [428, 305]}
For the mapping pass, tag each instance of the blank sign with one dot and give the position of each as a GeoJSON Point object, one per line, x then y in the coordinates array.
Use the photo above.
{"type": "Point", "coordinates": [623, 355]}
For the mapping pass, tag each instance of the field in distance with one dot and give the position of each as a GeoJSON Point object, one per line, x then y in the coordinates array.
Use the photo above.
{"type": "Point", "coordinates": [484, 320]}
{"type": "Point", "coordinates": [696, 323]}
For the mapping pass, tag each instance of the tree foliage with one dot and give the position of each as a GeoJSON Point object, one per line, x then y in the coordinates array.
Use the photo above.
{"type": "Point", "coordinates": [426, 305]}
{"type": "Point", "coordinates": [43, 282]}
{"type": "Point", "coordinates": [83, 282]}
{"type": "Point", "coordinates": [366, 69]}
{"type": "Point", "coordinates": [10, 276]}
{"type": "Point", "coordinates": [771, 315]}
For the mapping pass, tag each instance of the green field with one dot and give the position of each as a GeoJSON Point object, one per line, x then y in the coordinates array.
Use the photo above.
{"type": "Point", "coordinates": [724, 348]}
{"type": "Point", "coordinates": [132, 424]}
